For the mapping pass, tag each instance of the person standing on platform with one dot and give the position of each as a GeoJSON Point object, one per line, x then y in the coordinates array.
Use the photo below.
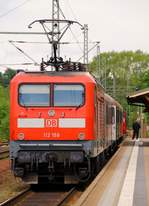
{"type": "Point", "coordinates": [136, 127]}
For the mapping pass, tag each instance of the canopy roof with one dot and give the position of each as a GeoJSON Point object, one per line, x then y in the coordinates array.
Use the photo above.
{"type": "Point", "coordinates": [139, 98]}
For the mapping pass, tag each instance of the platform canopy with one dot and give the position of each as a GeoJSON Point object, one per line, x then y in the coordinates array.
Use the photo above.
{"type": "Point", "coordinates": [140, 98]}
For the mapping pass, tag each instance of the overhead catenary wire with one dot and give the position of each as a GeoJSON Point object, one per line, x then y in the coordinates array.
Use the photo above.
{"type": "Point", "coordinates": [20, 50]}
{"type": "Point", "coordinates": [72, 10]}
{"type": "Point", "coordinates": [68, 3]}
{"type": "Point", "coordinates": [74, 36]}
{"type": "Point", "coordinates": [13, 9]}
{"type": "Point", "coordinates": [15, 64]}
{"type": "Point", "coordinates": [25, 54]}
{"type": "Point", "coordinates": [24, 33]}
{"type": "Point", "coordinates": [37, 33]}
{"type": "Point", "coordinates": [89, 50]}
{"type": "Point", "coordinates": [36, 42]}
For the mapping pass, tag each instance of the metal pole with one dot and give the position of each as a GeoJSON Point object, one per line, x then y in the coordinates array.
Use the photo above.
{"type": "Point", "coordinates": [85, 31]}
{"type": "Point", "coordinates": [114, 84]}
{"type": "Point", "coordinates": [55, 25]}
{"type": "Point", "coordinates": [142, 123]}
{"type": "Point", "coordinates": [98, 61]}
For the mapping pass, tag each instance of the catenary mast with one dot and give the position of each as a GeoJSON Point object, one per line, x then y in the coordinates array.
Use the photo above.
{"type": "Point", "coordinates": [55, 25]}
{"type": "Point", "coordinates": [85, 30]}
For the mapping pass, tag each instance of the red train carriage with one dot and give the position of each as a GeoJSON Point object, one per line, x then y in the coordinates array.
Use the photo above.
{"type": "Point", "coordinates": [124, 124]}
{"type": "Point", "coordinates": [60, 124]}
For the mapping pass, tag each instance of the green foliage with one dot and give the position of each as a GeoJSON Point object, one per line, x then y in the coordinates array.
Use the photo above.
{"type": "Point", "coordinates": [121, 73]}
{"type": "Point", "coordinates": [4, 113]}
{"type": "Point", "coordinates": [7, 76]}
{"type": "Point", "coordinates": [4, 103]}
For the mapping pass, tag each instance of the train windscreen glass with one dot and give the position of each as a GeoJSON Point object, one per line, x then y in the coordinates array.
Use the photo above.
{"type": "Point", "coordinates": [34, 95]}
{"type": "Point", "coordinates": [68, 95]}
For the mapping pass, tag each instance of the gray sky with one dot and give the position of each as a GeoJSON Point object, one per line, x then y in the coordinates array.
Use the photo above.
{"type": "Point", "coordinates": [118, 24]}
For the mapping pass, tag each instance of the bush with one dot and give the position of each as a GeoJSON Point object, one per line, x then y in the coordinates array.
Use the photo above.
{"type": "Point", "coordinates": [4, 113]}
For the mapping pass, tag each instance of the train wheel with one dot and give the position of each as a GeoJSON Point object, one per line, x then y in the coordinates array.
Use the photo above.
{"type": "Point", "coordinates": [107, 153]}
{"type": "Point", "coordinates": [94, 166]}
{"type": "Point", "coordinates": [102, 159]}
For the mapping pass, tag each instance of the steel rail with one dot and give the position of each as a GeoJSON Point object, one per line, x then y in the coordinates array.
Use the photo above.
{"type": "Point", "coordinates": [26, 195]}
{"type": "Point", "coordinates": [4, 154]}
{"type": "Point", "coordinates": [4, 143]}
{"type": "Point", "coordinates": [14, 200]}
{"type": "Point", "coordinates": [67, 196]}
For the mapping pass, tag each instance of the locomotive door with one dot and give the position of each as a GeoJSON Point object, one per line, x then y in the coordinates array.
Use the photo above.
{"type": "Point", "coordinates": [114, 123]}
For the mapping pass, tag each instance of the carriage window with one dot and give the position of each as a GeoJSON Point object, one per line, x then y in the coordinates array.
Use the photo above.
{"type": "Point", "coordinates": [34, 95]}
{"type": "Point", "coordinates": [113, 115]}
{"type": "Point", "coordinates": [68, 95]}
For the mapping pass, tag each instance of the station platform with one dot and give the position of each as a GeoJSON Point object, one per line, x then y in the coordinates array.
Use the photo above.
{"type": "Point", "coordinates": [135, 190]}
{"type": "Point", "coordinates": [125, 179]}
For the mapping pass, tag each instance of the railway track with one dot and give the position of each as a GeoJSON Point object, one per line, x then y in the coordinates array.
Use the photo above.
{"type": "Point", "coordinates": [4, 143]}
{"type": "Point", "coordinates": [40, 197]}
{"type": "Point", "coordinates": [4, 150]}
{"type": "Point", "coordinates": [4, 154]}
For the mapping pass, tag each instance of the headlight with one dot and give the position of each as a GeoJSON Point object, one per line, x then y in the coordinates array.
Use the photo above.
{"type": "Point", "coordinates": [81, 136]}
{"type": "Point", "coordinates": [21, 136]}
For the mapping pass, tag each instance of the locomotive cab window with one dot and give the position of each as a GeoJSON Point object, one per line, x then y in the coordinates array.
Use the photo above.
{"type": "Point", "coordinates": [68, 95]}
{"type": "Point", "coordinates": [34, 95]}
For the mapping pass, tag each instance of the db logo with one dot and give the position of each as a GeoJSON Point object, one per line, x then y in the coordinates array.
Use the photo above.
{"type": "Point", "coordinates": [51, 123]}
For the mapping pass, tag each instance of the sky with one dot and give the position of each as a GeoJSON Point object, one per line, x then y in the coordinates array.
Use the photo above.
{"type": "Point", "coordinates": [118, 25]}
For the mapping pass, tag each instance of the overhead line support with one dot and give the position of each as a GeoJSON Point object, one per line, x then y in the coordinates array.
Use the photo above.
{"type": "Point", "coordinates": [55, 25]}
{"type": "Point", "coordinates": [85, 31]}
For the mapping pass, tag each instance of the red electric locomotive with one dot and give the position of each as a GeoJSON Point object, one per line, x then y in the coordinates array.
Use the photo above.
{"type": "Point", "coordinates": [61, 123]}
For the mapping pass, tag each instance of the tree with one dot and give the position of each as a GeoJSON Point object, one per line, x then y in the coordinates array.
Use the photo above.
{"type": "Point", "coordinates": [4, 113]}
{"type": "Point", "coordinates": [8, 75]}
{"type": "Point", "coordinates": [121, 73]}
{"type": "Point", "coordinates": [4, 102]}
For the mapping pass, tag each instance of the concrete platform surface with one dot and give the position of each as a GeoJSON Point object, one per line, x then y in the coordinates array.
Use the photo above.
{"type": "Point", "coordinates": [125, 182]}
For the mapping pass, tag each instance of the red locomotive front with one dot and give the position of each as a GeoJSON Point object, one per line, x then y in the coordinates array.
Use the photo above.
{"type": "Point", "coordinates": [50, 114]}
{"type": "Point", "coordinates": [52, 107]}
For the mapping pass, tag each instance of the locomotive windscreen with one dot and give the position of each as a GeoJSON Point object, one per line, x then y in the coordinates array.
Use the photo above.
{"type": "Point", "coordinates": [34, 95]}
{"type": "Point", "coordinates": [68, 95]}
{"type": "Point", "coordinates": [63, 95]}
